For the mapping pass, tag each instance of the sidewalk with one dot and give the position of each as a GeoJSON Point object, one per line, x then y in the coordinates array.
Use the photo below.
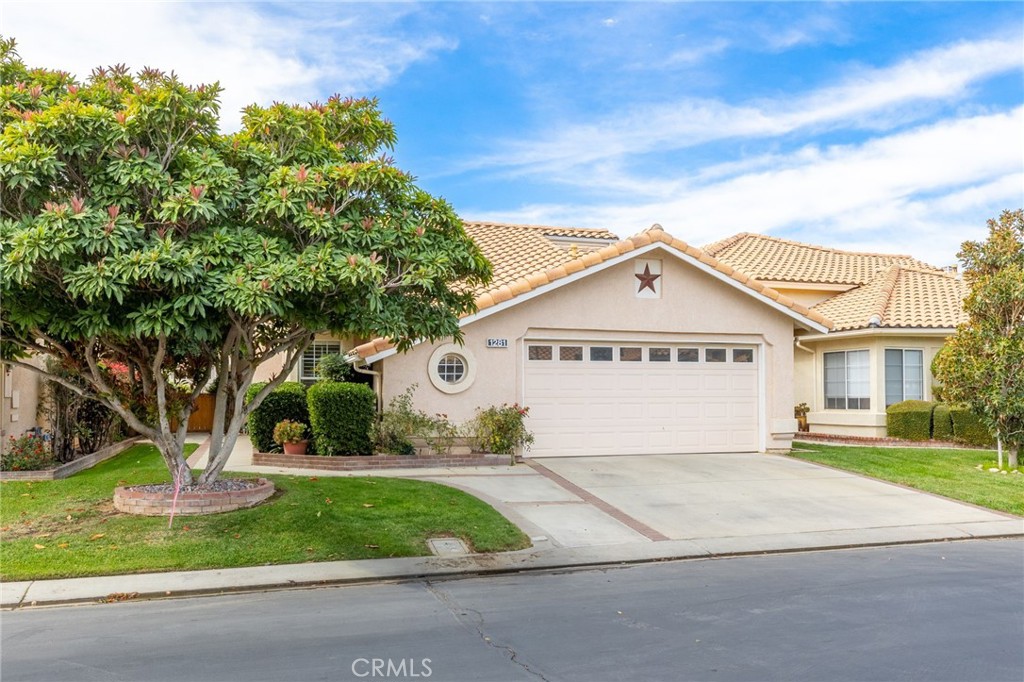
{"type": "Point", "coordinates": [568, 526]}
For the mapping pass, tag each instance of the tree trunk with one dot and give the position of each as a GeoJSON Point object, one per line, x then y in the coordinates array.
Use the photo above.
{"type": "Point", "coordinates": [1013, 455]}
{"type": "Point", "coordinates": [173, 452]}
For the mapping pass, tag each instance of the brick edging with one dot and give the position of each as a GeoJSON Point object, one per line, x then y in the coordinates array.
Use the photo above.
{"type": "Point", "coordinates": [375, 462]}
{"type": "Point", "coordinates": [189, 504]}
{"type": "Point", "coordinates": [74, 466]}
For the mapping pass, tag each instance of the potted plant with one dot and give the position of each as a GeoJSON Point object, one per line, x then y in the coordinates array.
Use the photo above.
{"type": "Point", "coordinates": [800, 411]}
{"type": "Point", "coordinates": [289, 435]}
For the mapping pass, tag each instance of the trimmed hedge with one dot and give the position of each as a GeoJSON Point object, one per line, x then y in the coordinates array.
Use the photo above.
{"type": "Point", "coordinates": [910, 419]}
{"type": "Point", "coordinates": [942, 423]}
{"type": "Point", "coordinates": [287, 401]}
{"type": "Point", "coordinates": [341, 416]}
{"type": "Point", "coordinates": [968, 427]}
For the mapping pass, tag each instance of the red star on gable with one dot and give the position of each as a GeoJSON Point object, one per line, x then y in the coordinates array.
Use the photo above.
{"type": "Point", "coordinates": [647, 280]}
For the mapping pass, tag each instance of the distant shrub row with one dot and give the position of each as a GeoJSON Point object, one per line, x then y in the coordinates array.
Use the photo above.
{"type": "Point", "coordinates": [925, 420]}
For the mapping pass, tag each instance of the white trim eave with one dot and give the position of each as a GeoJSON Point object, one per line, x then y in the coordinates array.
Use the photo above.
{"type": "Point", "coordinates": [881, 331]}
{"type": "Point", "coordinates": [805, 322]}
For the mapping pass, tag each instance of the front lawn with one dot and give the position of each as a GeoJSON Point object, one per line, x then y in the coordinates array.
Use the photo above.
{"type": "Point", "coordinates": [951, 473]}
{"type": "Point", "coordinates": [57, 529]}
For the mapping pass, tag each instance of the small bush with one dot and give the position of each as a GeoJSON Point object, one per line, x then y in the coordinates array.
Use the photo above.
{"type": "Point", "coordinates": [400, 423]}
{"type": "Point", "coordinates": [910, 419]}
{"type": "Point", "coordinates": [341, 416]}
{"type": "Point", "coordinates": [29, 452]}
{"type": "Point", "coordinates": [333, 368]}
{"type": "Point", "coordinates": [287, 401]}
{"type": "Point", "coordinates": [501, 429]}
{"type": "Point", "coordinates": [942, 423]}
{"type": "Point", "coordinates": [288, 431]}
{"type": "Point", "coordinates": [968, 427]}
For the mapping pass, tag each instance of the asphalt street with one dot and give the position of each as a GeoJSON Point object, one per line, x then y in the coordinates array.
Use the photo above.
{"type": "Point", "coordinates": [945, 611]}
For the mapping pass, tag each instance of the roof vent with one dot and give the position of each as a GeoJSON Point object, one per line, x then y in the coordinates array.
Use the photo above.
{"type": "Point", "coordinates": [875, 321]}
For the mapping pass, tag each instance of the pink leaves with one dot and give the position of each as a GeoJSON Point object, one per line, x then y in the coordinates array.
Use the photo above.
{"type": "Point", "coordinates": [121, 117]}
{"type": "Point", "coordinates": [77, 205]}
{"type": "Point", "coordinates": [301, 174]}
{"type": "Point", "coordinates": [197, 191]}
{"type": "Point", "coordinates": [113, 211]}
{"type": "Point", "coordinates": [352, 260]}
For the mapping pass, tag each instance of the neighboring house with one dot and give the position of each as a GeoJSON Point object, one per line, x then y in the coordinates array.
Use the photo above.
{"type": "Point", "coordinates": [19, 401]}
{"type": "Point", "coordinates": [646, 345]}
{"type": "Point", "coordinates": [890, 314]}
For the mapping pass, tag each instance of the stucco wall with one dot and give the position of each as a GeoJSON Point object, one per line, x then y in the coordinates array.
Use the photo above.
{"type": "Point", "coordinates": [19, 400]}
{"type": "Point", "coordinates": [810, 381]}
{"type": "Point", "coordinates": [694, 307]}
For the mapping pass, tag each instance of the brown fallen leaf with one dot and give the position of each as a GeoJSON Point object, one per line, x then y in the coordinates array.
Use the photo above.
{"type": "Point", "coordinates": [63, 545]}
{"type": "Point", "coordinates": [313, 478]}
{"type": "Point", "coordinates": [367, 505]}
{"type": "Point", "coordinates": [328, 501]}
{"type": "Point", "coordinates": [44, 535]}
{"type": "Point", "coordinates": [68, 517]}
{"type": "Point", "coordinates": [237, 536]}
{"type": "Point", "coordinates": [40, 546]}
{"type": "Point", "coordinates": [97, 536]}
{"type": "Point", "coordinates": [372, 546]}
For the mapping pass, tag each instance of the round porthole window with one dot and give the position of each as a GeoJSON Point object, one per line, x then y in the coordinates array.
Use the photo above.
{"type": "Point", "coordinates": [452, 368]}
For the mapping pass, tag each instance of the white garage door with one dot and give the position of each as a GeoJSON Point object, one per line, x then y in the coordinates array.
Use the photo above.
{"type": "Point", "coordinates": [638, 398]}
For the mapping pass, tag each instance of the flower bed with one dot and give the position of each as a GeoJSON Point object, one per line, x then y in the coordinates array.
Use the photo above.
{"type": "Point", "coordinates": [72, 467]}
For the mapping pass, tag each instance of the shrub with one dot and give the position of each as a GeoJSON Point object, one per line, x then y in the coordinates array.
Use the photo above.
{"type": "Point", "coordinates": [341, 416]}
{"type": "Point", "coordinates": [910, 419]}
{"type": "Point", "coordinates": [28, 452]}
{"type": "Point", "coordinates": [333, 368]}
{"type": "Point", "coordinates": [287, 401]}
{"type": "Point", "coordinates": [77, 425]}
{"type": "Point", "coordinates": [400, 423]}
{"type": "Point", "coordinates": [968, 427]}
{"type": "Point", "coordinates": [501, 429]}
{"type": "Point", "coordinates": [942, 423]}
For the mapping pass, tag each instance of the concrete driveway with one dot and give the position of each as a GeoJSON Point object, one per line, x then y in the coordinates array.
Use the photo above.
{"type": "Point", "coordinates": [723, 503]}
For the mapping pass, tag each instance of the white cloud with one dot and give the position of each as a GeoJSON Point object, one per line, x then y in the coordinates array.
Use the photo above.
{"type": "Point", "coordinates": [920, 191]}
{"type": "Point", "coordinates": [871, 98]}
{"type": "Point", "coordinates": [258, 56]}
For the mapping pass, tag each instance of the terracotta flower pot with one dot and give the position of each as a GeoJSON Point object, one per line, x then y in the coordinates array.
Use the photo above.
{"type": "Point", "coordinates": [295, 448]}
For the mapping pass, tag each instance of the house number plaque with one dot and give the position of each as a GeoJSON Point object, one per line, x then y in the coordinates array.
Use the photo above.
{"type": "Point", "coordinates": [497, 343]}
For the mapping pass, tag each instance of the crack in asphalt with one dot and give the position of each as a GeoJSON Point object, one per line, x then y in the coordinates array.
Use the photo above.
{"type": "Point", "coordinates": [460, 612]}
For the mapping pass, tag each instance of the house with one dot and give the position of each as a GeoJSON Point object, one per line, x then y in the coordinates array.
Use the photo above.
{"type": "Point", "coordinates": [650, 345]}
{"type": "Point", "coordinates": [644, 345]}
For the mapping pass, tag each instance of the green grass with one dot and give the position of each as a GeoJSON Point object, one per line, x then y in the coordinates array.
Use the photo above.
{"type": "Point", "coordinates": [69, 528]}
{"type": "Point", "coordinates": [951, 473]}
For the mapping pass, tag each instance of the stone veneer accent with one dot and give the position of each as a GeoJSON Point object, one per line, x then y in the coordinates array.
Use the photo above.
{"type": "Point", "coordinates": [375, 462]}
{"type": "Point", "coordinates": [190, 504]}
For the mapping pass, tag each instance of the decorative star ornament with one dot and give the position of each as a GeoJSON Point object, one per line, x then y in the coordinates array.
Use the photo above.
{"type": "Point", "coordinates": [647, 280]}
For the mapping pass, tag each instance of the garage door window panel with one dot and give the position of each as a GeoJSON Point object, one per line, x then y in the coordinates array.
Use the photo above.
{"type": "Point", "coordinates": [688, 355]}
{"type": "Point", "coordinates": [714, 355]}
{"type": "Point", "coordinates": [539, 353]}
{"type": "Point", "coordinates": [742, 354]}
{"type": "Point", "coordinates": [570, 353]}
{"type": "Point", "coordinates": [601, 354]}
{"type": "Point", "coordinates": [631, 354]}
{"type": "Point", "coordinates": [659, 354]}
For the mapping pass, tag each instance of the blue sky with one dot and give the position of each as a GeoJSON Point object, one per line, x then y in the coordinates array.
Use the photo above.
{"type": "Point", "coordinates": [893, 127]}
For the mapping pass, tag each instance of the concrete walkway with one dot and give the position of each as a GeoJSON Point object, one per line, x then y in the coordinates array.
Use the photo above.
{"type": "Point", "coordinates": [602, 511]}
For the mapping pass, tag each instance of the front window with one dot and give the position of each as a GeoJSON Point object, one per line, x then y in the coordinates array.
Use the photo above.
{"type": "Point", "coordinates": [904, 375]}
{"type": "Point", "coordinates": [847, 380]}
{"type": "Point", "coordinates": [317, 350]}
{"type": "Point", "coordinates": [451, 368]}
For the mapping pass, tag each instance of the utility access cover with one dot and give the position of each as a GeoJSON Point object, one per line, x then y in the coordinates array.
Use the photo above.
{"type": "Point", "coordinates": [447, 546]}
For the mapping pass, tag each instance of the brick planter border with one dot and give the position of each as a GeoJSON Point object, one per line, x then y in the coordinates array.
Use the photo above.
{"type": "Point", "coordinates": [190, 504]}
{"type": "Point", "coordinates": [376, 462]}
{"type": "Point", "coordinates": [72, 467]}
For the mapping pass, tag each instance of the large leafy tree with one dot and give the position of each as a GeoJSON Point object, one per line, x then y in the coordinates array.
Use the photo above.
{"type": "Point", "coordinates": [146, 253]}
{"type": "Point", "coordinates": [982, 365]}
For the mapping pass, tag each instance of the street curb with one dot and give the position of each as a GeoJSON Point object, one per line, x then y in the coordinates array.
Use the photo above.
{"type": "Point", "coordinates": [471, 566]}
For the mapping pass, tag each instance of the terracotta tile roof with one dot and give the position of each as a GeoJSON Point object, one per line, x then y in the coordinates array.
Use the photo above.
{"type": "Point", "coordinates": [899, 297]}
{"type": "Point", "coordinates": [781, 260]}
{"type": "Point", "coordinates": [516, 251]}
{"type": "Point", "coordinates": [523, 263]}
